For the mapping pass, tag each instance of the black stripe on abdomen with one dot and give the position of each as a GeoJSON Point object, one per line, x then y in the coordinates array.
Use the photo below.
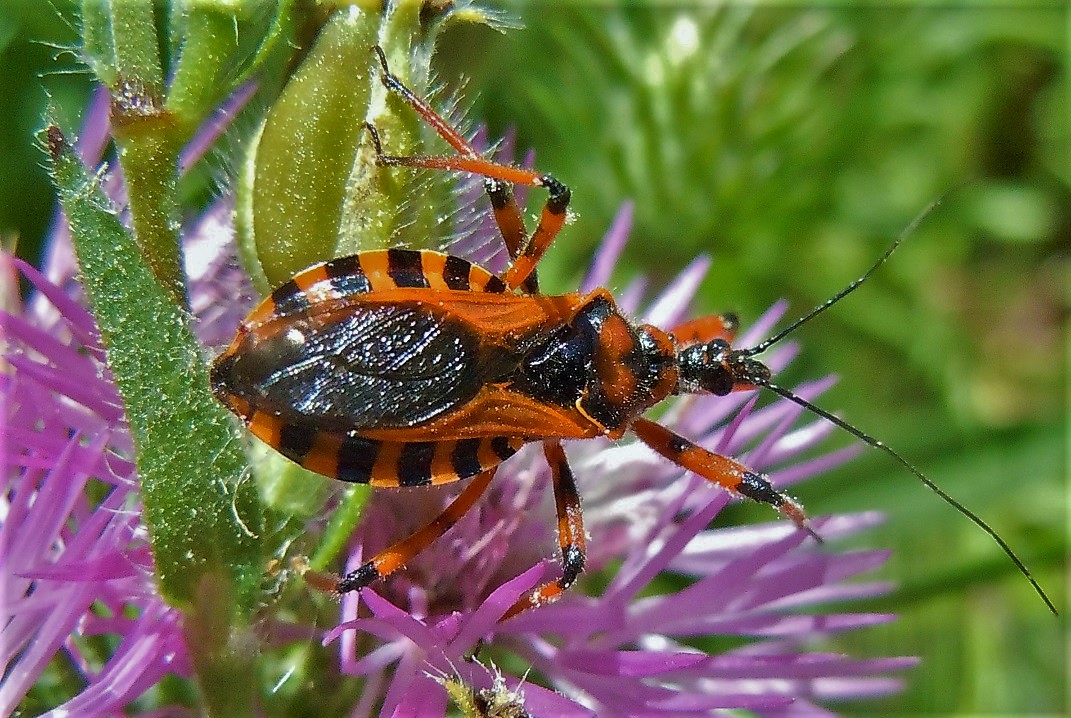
{"type": "Point", "coordinates": [405, 268]}
{"type": "Point", "coordinates": [464, 458]}
{"type": "Point", "coordinates": [456, 273]}
{"type": "Point", "coordinates": [501, 446]}
{"type": "Point", "coordinates": [295, 441]}
{"type": "Point", "coordinates": [414, 463]}
{"type": "Point", "coordinates": [347, 276]}
{"type": "Point", "coordinates": [356, 457]}
{"type": "Point", "coordinates": [289, 298]}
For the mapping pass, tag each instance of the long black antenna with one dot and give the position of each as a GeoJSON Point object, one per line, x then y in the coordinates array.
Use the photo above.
{"type": "Point", "coordinates": [871, 441]}
{"type": "Point", "coordinates": [908, 231]}
{"type": "Point", "coordinates": [764, 381]}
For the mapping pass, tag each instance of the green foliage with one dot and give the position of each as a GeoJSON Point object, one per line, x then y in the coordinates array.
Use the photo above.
{"type": "Point", "coordinates": [310, 189]}
{"type": "Point", "coordinates": [304, 152]}
{"type": "Point", "coordinates": [30, 43]}
{"type": "Point", "coordinates": [778, 139]}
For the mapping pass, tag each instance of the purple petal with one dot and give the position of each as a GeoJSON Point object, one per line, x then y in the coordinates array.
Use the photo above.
{"type": "Point", "coordinates": [19, 331]}
{"type": "Point", "coordinates": [659, 560]}
{"type": "Point", "coordinates": [142, 659]}
{"type": "Point", "coordinates": [483, 619]}
{"type": "Point", "coordinates": [389, 621]}
{"type": "Point", "coordinates": [843, 689]}
{"type": "Point", "coordinates": [378, 659]}
{"type": "Point", "coordinates": [96, 129]}
{"type": "Point", "coordinates": [634, 664]}
{"type": "Point", "coordinates": [46, 633]}
{"type": "Point", "coordinates": [695, 703]}
{"type": "Point", "coordinates": [423, 698]}
{"type": "Point", "coordinates": [78, 319]}
{"type": "Point", "coordinates": [814, 467]}
{"type": "Point", "coordinates": [671, 306]}
{"type": "Point", "coordinates": [606, 256]}
{"type": "Point", "coordinates": [630, 297]}
{"type": "Point", "coordinates": [110, 567]}
{"type": "Point", "coordinates": [540, 701]}
{"type": "Point", "coordinates": [408, 673]}
{"type": "Point", "coordinates": [763, 326]}
{"type": "Point", "coordinates": [72, 386]}
{"type": "Point", "coordinates": [720, 592]}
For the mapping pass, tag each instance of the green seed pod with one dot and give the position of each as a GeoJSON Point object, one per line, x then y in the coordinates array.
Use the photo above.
{"type": "Point", "coordinates": [310, 189]}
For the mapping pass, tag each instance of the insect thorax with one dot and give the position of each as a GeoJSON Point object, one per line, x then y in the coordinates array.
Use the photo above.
{"type": "Point", "coordinates": [600, 364]}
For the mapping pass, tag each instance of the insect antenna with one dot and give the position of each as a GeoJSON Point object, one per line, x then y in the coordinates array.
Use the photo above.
{"type": "Point", "coordinates": [764, 381]}
{"type": "Point", "coordinates": [907, 232]}
{"type": "Point", "coordinates": [871, 441]}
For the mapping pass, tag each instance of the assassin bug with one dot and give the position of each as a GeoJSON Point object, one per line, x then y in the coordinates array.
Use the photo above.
{"type": "Point", "coordinates": [413, 367]}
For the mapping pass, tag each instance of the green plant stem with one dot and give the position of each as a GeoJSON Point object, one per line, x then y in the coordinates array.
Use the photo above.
{"type": "Point", "coordinates": [202, 73]}
{"type": "Point", "coordinates": [148, 160]}
{"type": "Point", "coordinates": [340, 527]}
{"type": "Point", "coordinates": [204, 516]}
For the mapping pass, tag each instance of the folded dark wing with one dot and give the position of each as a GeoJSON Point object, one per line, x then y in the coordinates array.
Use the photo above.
{"type": "Point", "coordinates": [369, 366]}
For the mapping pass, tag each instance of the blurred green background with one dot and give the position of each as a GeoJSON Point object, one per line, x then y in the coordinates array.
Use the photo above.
{"type": "Point", "coordinates": [793, 144]}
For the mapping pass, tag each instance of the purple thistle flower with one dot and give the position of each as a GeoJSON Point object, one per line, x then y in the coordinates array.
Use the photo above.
{"type": "Point", "coordinates": [76, 561]}
{"type": "Point", "coordinates": [77, 565]}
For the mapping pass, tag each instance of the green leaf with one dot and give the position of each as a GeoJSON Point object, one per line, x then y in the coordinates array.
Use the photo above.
{"type": "Point", "coordinates": [221, 43]}
{"type": "Point", "coordinates": [203, 512]}
{"type": "Point", "coordinates": [310, 189]}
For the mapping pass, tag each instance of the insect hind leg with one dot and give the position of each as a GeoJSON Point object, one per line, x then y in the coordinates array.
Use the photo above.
{"type": "Point", "coordinates": [391, 559]}
{"type": "Point", "coordinates": [511, 226]}
{"type": "Point", "coordinates": [525, 254]}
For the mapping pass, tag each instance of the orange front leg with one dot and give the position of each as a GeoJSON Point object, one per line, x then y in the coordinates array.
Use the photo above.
{"type": "Point", "coordinates": [570, 532]}
{"type": "Point", "coordinates": [730, 475]}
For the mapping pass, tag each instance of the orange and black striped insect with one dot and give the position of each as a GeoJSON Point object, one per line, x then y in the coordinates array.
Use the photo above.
{"type": "Point", "coordinates": [413, 367]}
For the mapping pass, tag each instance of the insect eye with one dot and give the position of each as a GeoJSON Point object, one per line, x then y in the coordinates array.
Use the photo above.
{"type": "Point", "coordinates": [756, 372]}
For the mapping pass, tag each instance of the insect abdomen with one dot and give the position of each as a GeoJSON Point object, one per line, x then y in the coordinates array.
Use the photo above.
{"type": "Point", "coordinates": [361, 460]}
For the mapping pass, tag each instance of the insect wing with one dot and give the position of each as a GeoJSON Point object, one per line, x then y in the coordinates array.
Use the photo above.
{"type": "Point", "coordinates": [348, 365]}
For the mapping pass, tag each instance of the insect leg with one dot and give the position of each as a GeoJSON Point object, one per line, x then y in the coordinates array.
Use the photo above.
{"type": "Point", "coordinates": [391, 559]}
{"type": "Point", "coordinates": [730, 475]}
{"type": "Point", "coordinates": [570, 532]}
{"type": "Point", "coordinates": [503, 203]}
{"type": "Point", "coordinates": [422, 108]}
{"type": "Point", "coordinates": [551, 218]}
{"type": "Point", "coordinates": [553, 215]}
{"type": "Point", "coordinates": [510, 226]}
{"type": "Point", "coordinates": [706, 329]}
